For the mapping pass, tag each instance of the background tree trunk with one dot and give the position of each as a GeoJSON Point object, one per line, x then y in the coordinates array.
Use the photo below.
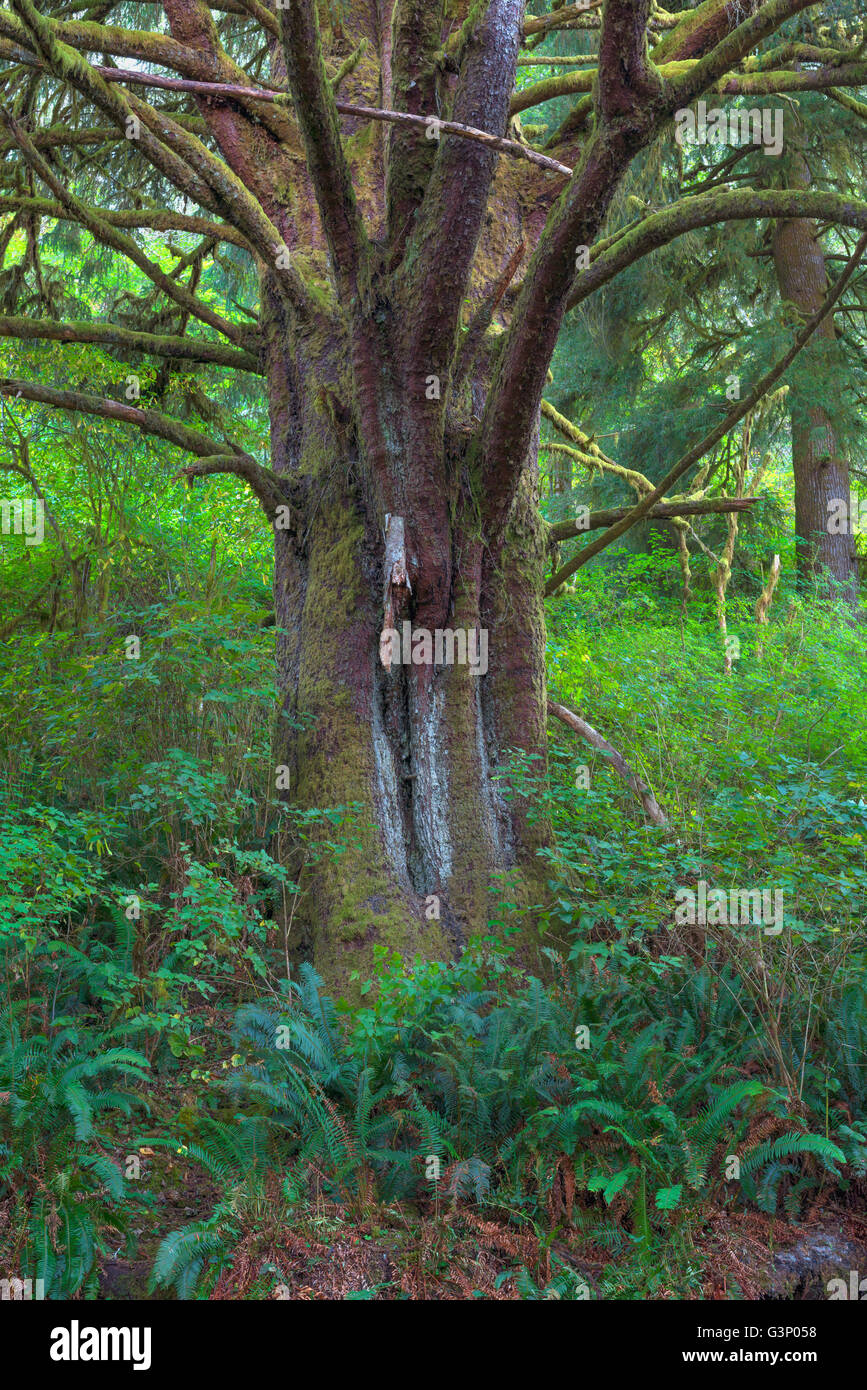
{"type": "Point", "coordinates": [821, 475]}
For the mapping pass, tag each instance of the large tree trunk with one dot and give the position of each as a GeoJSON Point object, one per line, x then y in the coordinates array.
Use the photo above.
{"type": "Point", "coordinates": [401, 406]}
{"type": "Point", "coordinates": [420, 750]}
{"type": "Point", "coordinates": [821, 474]}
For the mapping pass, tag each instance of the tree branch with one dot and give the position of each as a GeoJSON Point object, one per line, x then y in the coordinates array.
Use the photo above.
{"type": "Point", "coordinates": [564, 85]}
{"type": "Point", "coordinates": [589, 453]}
{"type": "Point", "coordinates": [661, 511]}
{"type": "Point", "coordinates": [326, 158]}
{"type": "Point", "coordinates": [229, 90]}
{"type": "Point", "coordinates": [271, 489]}
{"type": "Point", "coordinates": [152, 218]}
{"type": "Point", "coordinates": [631, 106]}
{"type": "Point", "coordinates": [464, 132]}
{"type": "Point", "coordinates": [113, 237]}
{"type": "Point", "coordinates": [559, 19]}
{"type": "Point", "coordinates": [765, 83]}
{"type": "Point", "coordinates": [82, 402]}
{"type": "Point", "coordinates": [626, 77]}
{"type": "Point", "coordinates": [234, 200]}
{"type": "Point", "coordinates": [64, 137]}
{"type": "Point", "coordinates": [144, 45]}
{"type": "Point", "coordinates": [858, 108]}
{"type": "Point", "coordinates": [69, 66]}
{"type": "Point", "coordinates": [443, 243]}
{"type": "Point", "coordinates": [176, 152]}
{"type": "Point", "coordinates": [704, 210]}
{"type": "Point", "coordinates": [697, 31]}
{"type": "Point", "coordinates": [736, 45]}
{"type": "Point", "coordinates": [791, 80]}
{"type": "Point", "coordinates": [713, 34]}
{"type": "Point", "coordinates": [237, 130]}
{"type": "Point", "coordinates": [129, 341]}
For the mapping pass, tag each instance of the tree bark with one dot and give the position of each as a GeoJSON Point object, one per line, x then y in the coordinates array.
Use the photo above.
{"type": "Point", "coordinates": [419, 750]}
{"type": "Point", "coordinates": [821, 474]}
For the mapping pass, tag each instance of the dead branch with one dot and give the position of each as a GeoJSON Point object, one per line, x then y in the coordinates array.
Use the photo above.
{"type": "Point", "coordinates": [652, 808]}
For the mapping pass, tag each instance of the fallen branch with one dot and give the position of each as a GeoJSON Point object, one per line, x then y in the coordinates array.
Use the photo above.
{"type": "Point", "coordinates": [652, 808]}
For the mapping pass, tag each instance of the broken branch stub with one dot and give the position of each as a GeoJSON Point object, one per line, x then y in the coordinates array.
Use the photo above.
{"type": "Point", "coordinates": [397, 589]}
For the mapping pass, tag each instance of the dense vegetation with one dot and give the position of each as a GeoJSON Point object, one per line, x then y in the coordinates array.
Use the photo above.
{"type": "Point", "coordinates": [145, 971]}
{"type": "Point", "coordinates": [590, 1096]}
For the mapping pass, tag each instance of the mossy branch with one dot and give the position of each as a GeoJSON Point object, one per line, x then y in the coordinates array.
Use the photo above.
{"type": "Point", "coordinates": [276, 494]}
{"type": "Point", "coordinates": [327, 163]}
{"type": "Point", "coordinates": [272, 490]}
{"type": "Point", "coordinates": [128, 341]}
{"type": "Point", "coordinates": [154, 219]}
{"type": "Point", "coordinates": [706, 210]}
{"type": "Point", "coordinates": [661, 511]}
{"type": "Point", "coordinates": [229, 91]}
{"type": "Point", "coordinates": [111, 236]}
{"type": "Point", "coordinates": [731, 50]}
{"type": "Point", "coordinates": [236, 202]}
{"type": "Point", "coordinates": [86, 37]}
{"type": "Point", "coordinates": [588, 452]}
{"type": "Point", "coordinates": [65, 137]}
{"type": "Point", "coordinates": [468, 346]}
{"type": "Point", "coordinates": [69, 66]}
{"type": "Point", "coordinates": [449, 221]}
{"type": "Point", "coordinates": [83, 402]}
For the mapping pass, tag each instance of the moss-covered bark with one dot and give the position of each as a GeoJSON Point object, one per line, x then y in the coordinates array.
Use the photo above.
{"type": "Point", "coordinates": [821, 472]}
{"type": "Point", "coordinates": [418, 750]}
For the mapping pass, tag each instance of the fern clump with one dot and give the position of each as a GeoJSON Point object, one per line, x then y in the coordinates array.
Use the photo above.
{"type": "Point", "coordinates": [68, 1197]}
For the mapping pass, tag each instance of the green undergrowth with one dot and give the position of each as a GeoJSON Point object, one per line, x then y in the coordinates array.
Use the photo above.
{"type": "Point", "coordinates": [567, 1132]}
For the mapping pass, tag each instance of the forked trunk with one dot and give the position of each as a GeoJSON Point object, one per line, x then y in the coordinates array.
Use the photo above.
{"type": "Point", "coordinates": [413, 697]}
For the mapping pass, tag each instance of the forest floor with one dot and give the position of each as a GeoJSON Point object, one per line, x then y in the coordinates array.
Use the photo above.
{"type": "Point", "coordinates": [429, 1254]}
